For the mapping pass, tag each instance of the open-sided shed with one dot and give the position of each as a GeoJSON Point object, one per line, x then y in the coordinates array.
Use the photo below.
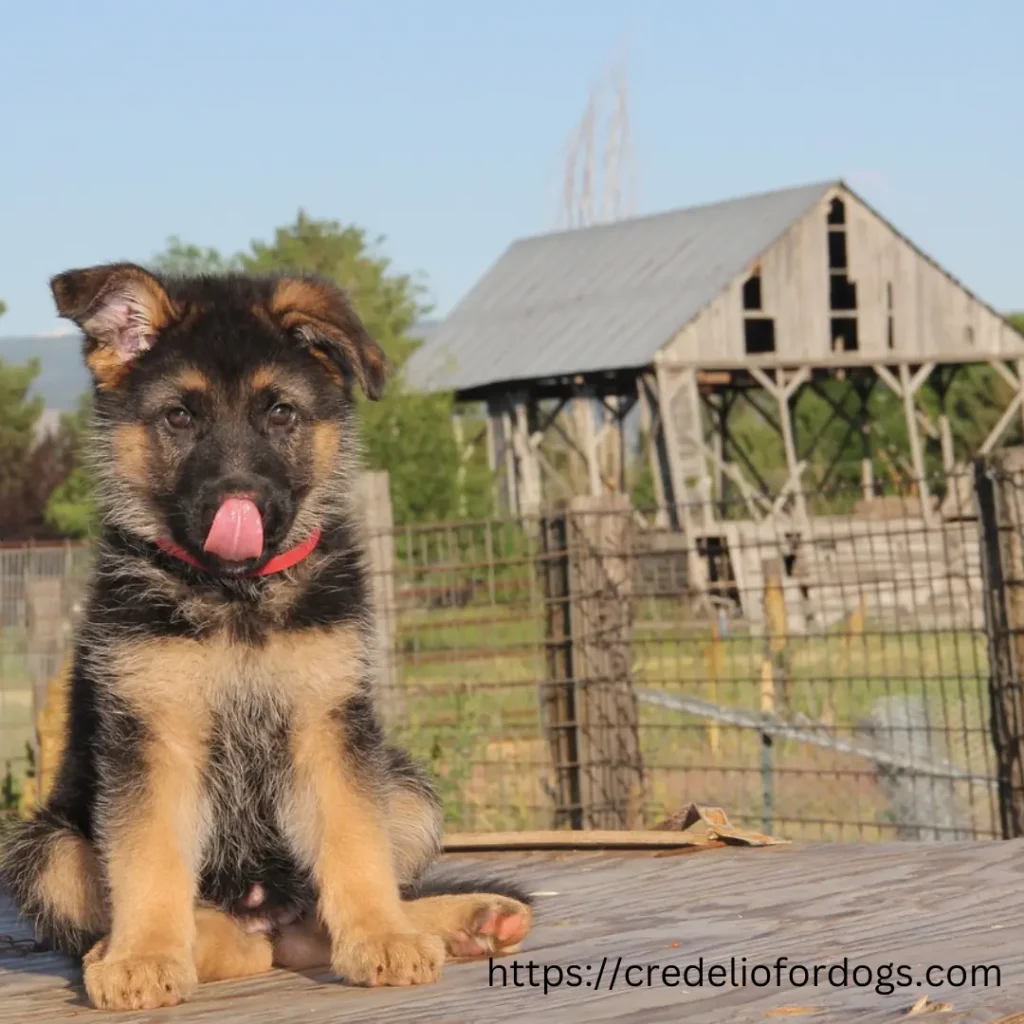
{"type": "Point", "coordinates": [689, 311]}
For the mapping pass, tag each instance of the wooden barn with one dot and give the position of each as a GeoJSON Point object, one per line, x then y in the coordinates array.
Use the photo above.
{"type": "Point", "coordinates": [689, 311]}
{"type": "Point", "coordinates": [691, 316]}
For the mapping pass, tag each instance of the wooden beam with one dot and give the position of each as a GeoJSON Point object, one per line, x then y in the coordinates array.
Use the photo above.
{"type": "Point", "coordinates": [503, 461]}
{"type": "Point", "coordinates": [886, 377]}
{"type": "Point", "coordinates": [1004, 371]}
{"type": "Point", "coordinates": [680, 498]}
{"type": "Point", "coordinates": [907, 384]}
{"type": "Point", "coordinates": [648, 425]}
{"type": "Point", "coordinates": [923, 373]}
{"type": "Point", "coordinates": [796, 467]}
{"type": "Point", "coordinates": [567, 839]}
{"type": "Point", "coordinates": [527, 468]}
{"type": "Point", "coordinates": [996, 434]}
{"type": "Point", "coordinates": [836, 361]}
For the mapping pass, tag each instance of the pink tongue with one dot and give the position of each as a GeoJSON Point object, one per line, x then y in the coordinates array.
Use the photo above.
{"type": "Point", "coordinates": [237, 531]}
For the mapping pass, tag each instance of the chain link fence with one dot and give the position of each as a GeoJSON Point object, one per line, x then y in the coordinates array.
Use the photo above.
{"type": "Point", "coordinates": [819, 676]}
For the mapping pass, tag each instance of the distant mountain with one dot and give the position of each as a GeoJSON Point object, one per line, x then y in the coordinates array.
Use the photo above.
{"type": "Point", "coordinates": [62, 375]}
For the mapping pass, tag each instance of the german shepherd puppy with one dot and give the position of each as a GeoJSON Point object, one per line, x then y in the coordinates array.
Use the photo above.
{"type": "Point", "coordinates": [226, 799]}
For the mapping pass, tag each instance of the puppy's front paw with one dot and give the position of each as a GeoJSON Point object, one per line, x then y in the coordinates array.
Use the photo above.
{"type": "Point", "coordinates": [141, 982]}
{"type": "Point", "coordinates": [389, 959]}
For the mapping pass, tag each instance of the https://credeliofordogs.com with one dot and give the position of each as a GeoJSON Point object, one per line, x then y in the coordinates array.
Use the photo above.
{"type": "Point", "coordinates": [609, 973]}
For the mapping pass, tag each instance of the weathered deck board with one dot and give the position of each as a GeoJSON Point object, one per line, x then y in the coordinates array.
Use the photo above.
{"type": "Point", "coordinates": [917, 904]}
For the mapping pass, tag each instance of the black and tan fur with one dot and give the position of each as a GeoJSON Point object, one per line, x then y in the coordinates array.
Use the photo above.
{"type": "Point", "coordinates": [223, 736]}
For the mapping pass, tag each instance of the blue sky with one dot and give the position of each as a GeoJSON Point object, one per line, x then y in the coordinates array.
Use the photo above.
{"type": "Point", "coordinates": [442, 125]}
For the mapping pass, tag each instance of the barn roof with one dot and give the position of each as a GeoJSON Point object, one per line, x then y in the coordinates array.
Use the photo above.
{"type": "Point", "coordinates": [601, 298]}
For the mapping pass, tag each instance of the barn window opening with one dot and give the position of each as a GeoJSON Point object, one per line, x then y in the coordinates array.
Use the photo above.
{"type": "Point", "coordinates": [752, 292]}
{"type": "Point", "coordinates": [968, 335]}
{"type": "Point", "coordinates": [844, 334]}
{"type": "Point", "coordinates": [843, 293]}
{"type": "Point", "coordinates": [837, 250]}
{"type": "Point", "coordinates": [842, 297]}
{"type": "Point", "coordinates": [759, 335]}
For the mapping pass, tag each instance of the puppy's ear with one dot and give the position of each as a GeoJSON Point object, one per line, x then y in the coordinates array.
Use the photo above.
{"type": "Point", "coordinates": [321, 317]}
{"type": "Point", "coordinates": [120, 307]}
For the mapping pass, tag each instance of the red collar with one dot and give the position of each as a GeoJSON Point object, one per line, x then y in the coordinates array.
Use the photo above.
{"type": "Point", "coordinates": [285, 560]}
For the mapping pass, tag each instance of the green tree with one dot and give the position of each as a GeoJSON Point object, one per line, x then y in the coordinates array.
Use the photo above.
{"type": "Point", "coordinates": [183, 258]}
{"type": "Point", "coordinates": [388, 303]}
{"type": "Point", "coordinates": [19, 415]}
{"type": "Point", "coordinates": [70, 509]}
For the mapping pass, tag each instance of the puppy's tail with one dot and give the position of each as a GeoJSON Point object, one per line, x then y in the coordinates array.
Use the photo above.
{"type": "Point", "coordinates": [53, 875]}
{"type": "Point", "coordinates": [442, 884]}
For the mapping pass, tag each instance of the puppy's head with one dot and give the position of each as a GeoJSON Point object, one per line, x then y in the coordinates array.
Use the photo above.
{"type": "Point", "coordinates": [223, 405]}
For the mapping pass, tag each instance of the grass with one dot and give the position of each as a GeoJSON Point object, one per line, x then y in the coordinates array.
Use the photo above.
{"type": "Point", "coordinates": [470, 680]}
{"type": "Point", "coordinates": [470, 677]}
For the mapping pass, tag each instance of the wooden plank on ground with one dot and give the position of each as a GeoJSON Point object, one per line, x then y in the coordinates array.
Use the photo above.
{"type": "Point", "coordinates": [921, 904]}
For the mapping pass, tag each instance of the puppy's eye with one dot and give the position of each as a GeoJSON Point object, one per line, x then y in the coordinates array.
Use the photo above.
{"type": "Point", "coordinates": [281, 415]}
{"type": "Point", "coordinates": [179, 418]}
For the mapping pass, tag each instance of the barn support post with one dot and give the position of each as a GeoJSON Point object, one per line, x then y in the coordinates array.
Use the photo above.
{"type": "Point", "coordinates": [656, 451]}
{"type": "Point", "coordinates": [465, 452]}
{"type": "Point", "coordinates": [670, 459]}
{"type": "Point", "coordinates": [526, 466]}
{"type": "Point", "coordinates": [648, 419]}
{"type": "Point", "coordinates": [905, 387]}
{"type": "Point", "coordinates": [783, 391]}
{"type": "Point", "coordinates": [720, 414]}
{"type": "Point", "coordinates": [867, 467]}
{"type": "Point", "coordinates": [501, 454]}
{"type": "Point", "coordinates": [492, 461]}
{"type": "Point", "coordinates": [940, 383]}
{"type": "Point", "coordinates": [622, 406]}
{"type": "Point", "coordinates": [909, 386]}
{"type": "Point", "coordinates": [687, 407]}
{"type": "Point", "coordinates": [583, 424]}
{"type": "Point", "coordinates": [719, 406]}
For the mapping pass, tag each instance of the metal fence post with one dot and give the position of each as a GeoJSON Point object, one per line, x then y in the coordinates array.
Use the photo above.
{"type": "Point", "coordinates": [774, 677]}
{"type": "Point", "coordinates": [999, 489]}
{"type": "Point", "coordinates": [558, 694]}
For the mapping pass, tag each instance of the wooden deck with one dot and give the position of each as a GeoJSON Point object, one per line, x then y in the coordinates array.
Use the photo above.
{"type": "Point", "coordinates": [914, 904]}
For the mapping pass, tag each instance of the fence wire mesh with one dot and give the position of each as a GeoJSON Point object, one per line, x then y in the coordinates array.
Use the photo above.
{"type": "Point", "coordinates": [40, 589]}
{"type": "Point", "coordinates": [820, 676]}
{"type": "Point", "coordinates": [824, 679]}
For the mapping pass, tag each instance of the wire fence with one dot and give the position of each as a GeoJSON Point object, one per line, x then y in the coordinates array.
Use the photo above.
{"type": "Point", "coordinates": [818, 676]}
{"type": "Point", "coordinates": [40, 592]}
{"type": "Point", "coordinates": [826, 678]}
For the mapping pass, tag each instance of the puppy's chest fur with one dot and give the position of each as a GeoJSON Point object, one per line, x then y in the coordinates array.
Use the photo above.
{"type": "Point", "coordinates": [247, 785]}
{"type": "Point", "coordinates": [235, 711]}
